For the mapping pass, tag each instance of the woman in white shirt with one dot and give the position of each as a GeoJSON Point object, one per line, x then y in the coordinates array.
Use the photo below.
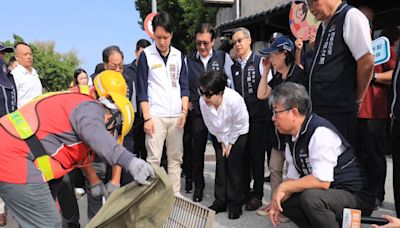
{"type": "Point", "coordinates": [226, 117]}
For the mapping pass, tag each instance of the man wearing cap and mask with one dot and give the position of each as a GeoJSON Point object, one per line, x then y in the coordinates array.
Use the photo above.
{"type": "Point", "coordinates": [8, 99]}
{"type": "Point", "coordinates": [51, 135]}
{"type": "Point", "coordinates": [3, 51]}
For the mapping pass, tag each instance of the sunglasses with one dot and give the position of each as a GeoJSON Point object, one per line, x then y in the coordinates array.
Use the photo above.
{"type": "Point", "coordinates": [206, 94]}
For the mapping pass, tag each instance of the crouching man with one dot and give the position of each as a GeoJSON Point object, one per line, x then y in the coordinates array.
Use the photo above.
{"type": "Point", "coordinates": [323, 174]}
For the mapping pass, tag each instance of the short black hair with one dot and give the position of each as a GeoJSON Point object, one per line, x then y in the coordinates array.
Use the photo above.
{"type": "Point", "coordinates": [213, 81]}
{"type": "Point", "coordinates": [142, 43]}
{"type": "Point", "coordinates": [99, 68]}
{"type": "Point", "coordinates": [108, 51]}
{"type": "Point", "coordinates": [206, 28]}
{"type": "Point", "coordinates": [290, 58]}
{"type": "Point", "coordinates": [22, 43]}
{"type": "Point", "coordinates": [163, 20]}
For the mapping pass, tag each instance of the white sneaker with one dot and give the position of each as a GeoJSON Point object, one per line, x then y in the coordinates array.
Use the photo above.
{"type": "Point", "coordinates": [79, 192]}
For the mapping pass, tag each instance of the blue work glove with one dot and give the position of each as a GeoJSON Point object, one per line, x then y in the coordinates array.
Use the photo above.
{"type": "Point", "coordinates": [98, 190]}
{"type": "Point", "coordinates": [110, 187]}
{"type": "Point", "coordinates": [141, 170]}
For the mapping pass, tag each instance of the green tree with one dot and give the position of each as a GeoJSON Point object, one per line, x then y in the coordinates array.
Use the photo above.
{"type": "Point", "coordinates": [186, 15]}
{"type": "Point", "coordinates": [55, 69]}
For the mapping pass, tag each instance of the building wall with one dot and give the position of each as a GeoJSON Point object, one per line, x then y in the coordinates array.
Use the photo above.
{"type": "Point", "coordinates": [247, 8]}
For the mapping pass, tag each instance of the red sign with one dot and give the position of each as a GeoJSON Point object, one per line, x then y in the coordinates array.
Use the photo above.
{"type": "Point", "coordinates": [148, 27]}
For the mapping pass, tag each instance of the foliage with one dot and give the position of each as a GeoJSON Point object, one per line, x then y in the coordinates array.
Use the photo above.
{"type": "Point", "coordinates": [55, 69]}
{"type": "Point", "coordinates": [187, 15]}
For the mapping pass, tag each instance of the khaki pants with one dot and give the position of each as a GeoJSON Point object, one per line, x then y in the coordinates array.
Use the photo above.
{"type": "Point", "coordinates": [166, 130]}
{"type": "Point", "coordinates": [276, 168]}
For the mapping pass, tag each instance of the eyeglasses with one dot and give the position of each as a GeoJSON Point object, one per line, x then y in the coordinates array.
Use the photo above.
{"type": "Point", "coordinates": [206, 94]}
{"type": "Point", "coordinates": [238, 41]}
{"type": "Point", "coordinates": [199, 43]}
{"type": "Point", "coordinates": [116, 67]}
{"type": "Point", "coordinates": [275, 112]}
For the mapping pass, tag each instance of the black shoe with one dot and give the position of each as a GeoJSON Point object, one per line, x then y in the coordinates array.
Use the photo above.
{"type": "Point", "coordinates": [198, 196]}
{"type": "Point", "coordinates": [189, 185]}
{"type": "Point", "coordinates": [253, 204]}
{"type": "Point", "coordinates": [267, 179]}
{"type": "Point", "coordinates": [217, 209]}
{"type": "Point", "coordinates": [234, 214]}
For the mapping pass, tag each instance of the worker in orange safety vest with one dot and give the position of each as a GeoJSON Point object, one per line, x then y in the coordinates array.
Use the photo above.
{"type": "Point", "coordinates": [57, 132]}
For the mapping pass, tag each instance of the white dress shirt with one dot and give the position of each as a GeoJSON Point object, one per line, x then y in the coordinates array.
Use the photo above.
{"type": "Point", "coordinates": [324, 149]}
{"type": "Point", "coordinates": [27, 83]}
{"type": "Point", "coordinates": [230, 120]}
{"type": "Point", "coordinates": [356, 22]}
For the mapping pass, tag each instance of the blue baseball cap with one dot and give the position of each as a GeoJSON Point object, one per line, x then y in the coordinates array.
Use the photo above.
{"type": "Point", "coordinates": [6, 49]}
{"type": "Point", "coordinates": [279, 44]}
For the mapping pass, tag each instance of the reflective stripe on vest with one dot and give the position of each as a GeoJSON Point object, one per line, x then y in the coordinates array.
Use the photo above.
{"type": "Point", "coordinates": [25, 131]}
{"type": "Point", "coordinates": [84, 89]}
{"type": "Point", "coordinates": [44, 164]}
{"type": "Point", "coordinates": [20, 124]}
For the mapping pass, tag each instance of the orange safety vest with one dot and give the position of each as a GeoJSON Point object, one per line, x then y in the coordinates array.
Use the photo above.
{"type": "Point", "coordinates": [25, 124]}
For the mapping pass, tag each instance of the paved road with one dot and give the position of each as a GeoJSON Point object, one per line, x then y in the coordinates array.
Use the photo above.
{"type": "Point", "coordinates": [248, 219]}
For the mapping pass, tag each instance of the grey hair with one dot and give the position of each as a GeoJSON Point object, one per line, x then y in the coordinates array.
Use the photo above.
{"type": "Point", "coordinates": [291, 95]}
{"type": "Point", "coordinates": [245, 31]}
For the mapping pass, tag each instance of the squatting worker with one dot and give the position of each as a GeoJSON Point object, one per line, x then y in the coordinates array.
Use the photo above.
{"type": "Point", "coordinates": [51, 135]}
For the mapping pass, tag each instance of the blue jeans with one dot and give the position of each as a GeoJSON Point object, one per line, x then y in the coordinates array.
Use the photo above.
{"type": "Point", "coordinates": [31, 204]}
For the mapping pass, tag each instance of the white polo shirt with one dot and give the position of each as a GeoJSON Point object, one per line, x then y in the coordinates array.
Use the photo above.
{"type": "Point", "coordinates": [324, 149]}
{"type": "Point", "coordinates": [27, 83]}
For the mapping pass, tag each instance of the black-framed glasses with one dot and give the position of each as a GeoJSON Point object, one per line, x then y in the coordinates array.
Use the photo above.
{"type": "Point", "coordinates": [201, 42]}
{"type": "Point", "coordinates": [116, 67]}
{"type": "Point", "coordinates": [275, 112]}
{"type": "Point", "coordinates": [206, 94]}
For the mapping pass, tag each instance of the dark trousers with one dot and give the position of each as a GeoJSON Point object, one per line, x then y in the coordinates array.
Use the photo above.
{"type": "Point", "coordinates": [228, 175]}
{"type": "Point", "coordinates": [94, 204]}
{"type": "Point", "coordinates": [319, 208]}
{"type": "Point", "coordinates": [346, 123]}
{"type": "Point", "coordinates": [396, 164]}
{"type": "Point", "coordinates": [253, 160]}
{"type": "Point", "coordinates": [139, 136]}
{"type": "Point", "coordinates": [371, 137]}
{"type": "Point", "coordinates": [187, 165]}
{"type": "Point", "coordinates": [195, 141]}
{"type": "Point", "coordinates": [63, 190]}
{"type": "Point", "coordinates": [134, 142]}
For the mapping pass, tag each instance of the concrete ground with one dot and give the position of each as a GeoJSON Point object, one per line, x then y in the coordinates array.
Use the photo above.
{"type": "Point", "coordinates": [248, 219]}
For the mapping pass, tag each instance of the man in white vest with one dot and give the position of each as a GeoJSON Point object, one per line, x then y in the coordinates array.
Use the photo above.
{"type": "Point", "coordinates": [164, 96]}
